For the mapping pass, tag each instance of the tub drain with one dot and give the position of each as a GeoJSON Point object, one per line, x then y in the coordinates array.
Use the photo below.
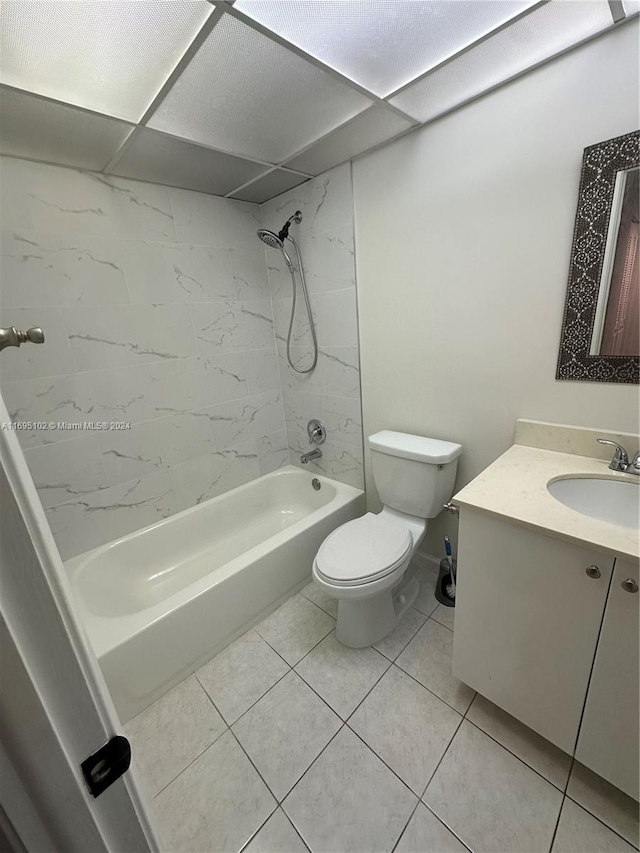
{"type": "Point", "coordinates": [316, 483]}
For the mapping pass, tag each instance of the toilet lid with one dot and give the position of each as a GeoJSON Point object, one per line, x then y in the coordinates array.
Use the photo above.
{"type": "Point", "coordinates": [363, 550]}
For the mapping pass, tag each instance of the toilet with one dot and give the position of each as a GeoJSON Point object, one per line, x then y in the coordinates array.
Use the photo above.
{"type": "Point", "coordinates": [363, 563]}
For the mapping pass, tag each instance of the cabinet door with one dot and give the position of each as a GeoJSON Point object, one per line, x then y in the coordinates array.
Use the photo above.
{"type": "Point", "coordinates": [608, 741]}
{"type": "Point", "coordinates": [527, 622]}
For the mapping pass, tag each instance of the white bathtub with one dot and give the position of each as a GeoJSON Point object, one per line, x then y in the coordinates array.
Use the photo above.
{"type": "Point", "coordinates": [160, 602]}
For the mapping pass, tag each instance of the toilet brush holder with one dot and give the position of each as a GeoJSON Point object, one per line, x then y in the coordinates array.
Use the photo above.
{"type": "Point", "coordinates": [444, 578]}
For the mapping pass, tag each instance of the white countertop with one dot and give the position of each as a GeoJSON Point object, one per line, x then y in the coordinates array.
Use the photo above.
{"type": "Point", "coordinates": [514, 487]}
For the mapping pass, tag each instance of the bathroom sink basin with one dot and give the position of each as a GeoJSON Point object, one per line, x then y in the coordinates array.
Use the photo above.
{"type": "Point", "coordinates": [615, 501]}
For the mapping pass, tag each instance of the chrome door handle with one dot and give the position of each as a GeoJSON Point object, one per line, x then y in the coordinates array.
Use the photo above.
{"type": "Point", "coordinates": [629, 585]}
{"type": "Point", "coordinates": [593, 572]}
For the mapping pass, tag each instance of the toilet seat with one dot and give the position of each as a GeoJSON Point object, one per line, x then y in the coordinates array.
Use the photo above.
{"type": "Point", "coordinates": [363, 550]}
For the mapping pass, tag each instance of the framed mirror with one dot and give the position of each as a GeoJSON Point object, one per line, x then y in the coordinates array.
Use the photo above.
{"type": "Point", "coordinates": [600, 337]}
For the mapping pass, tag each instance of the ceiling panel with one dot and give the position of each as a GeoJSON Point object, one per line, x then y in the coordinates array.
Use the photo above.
{"type": "Point", "coordinates": [152, 156]}
{"type": "Point", "coordinates": [111, 57]}
{"type": "Point", "coordinates": [381, 44]}
{"type": "Point", "coordinates": [276, 182]}
{"type": "Point", "coordinates": [370, 128]}
{"type": "Point", "coordinates": [56, 133]}
{"type": "Point", "coordinates": [534, 38]}
{"type": "Point", "coordinates": [244, 93]}
{"type": "Point", "coordinates": [631, 7]}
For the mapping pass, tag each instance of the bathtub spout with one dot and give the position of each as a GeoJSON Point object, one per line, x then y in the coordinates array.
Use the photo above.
{"type": "Point", "coordinates": [316, 453]}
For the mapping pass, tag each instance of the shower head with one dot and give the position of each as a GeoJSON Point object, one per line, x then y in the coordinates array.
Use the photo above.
{"type": "Point", "coordinates": [274, 241]}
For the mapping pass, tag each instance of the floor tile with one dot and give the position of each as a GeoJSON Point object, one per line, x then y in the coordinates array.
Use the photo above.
{"type": "Point", "coordinates": [168, 735]}
{"type": "Point", "coordinates": [490, 799]}
{"type": "Point", "coordinates": [342, 676]}
{"type": "Point", "coordinates": [606, 802]}
{"type": "Point", "coordinates": [407, 726]}
{"type": "Point", "coordinates": [295, 628]}
{"type": "Point", "coordinates": [285, 731]}
{"type": "Point", "coordinates": [444, 615]}
{"type": "Point", "coordinates": [218, 803]}
{"type": "Point", "coordinates": [241, 674]}
{"type": "Point", "coordinates": [276, 836]}
{"type": "Point", "coordinates": [427, 576]}
{"type": "Point", "coordinates": [313, 592]}
{"type": "Point", "coordinates": [348, 801]}
{"type": "Point", "coordinates": [426, 833]}
{"type": "Point", "coordinates": [580, 832]}
{"type": "Point", "coordinates": [532, 748]}
{"type": "Point", "coordinates": [391, 645]}
{"type": "Point", "coordinates": [428, 659]}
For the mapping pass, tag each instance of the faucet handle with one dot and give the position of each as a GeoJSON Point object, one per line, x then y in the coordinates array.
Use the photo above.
{"type": "Point", "coordinates": [620, 458]}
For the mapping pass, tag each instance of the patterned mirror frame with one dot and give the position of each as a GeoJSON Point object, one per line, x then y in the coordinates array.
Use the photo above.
{"type": "Point", "coordinates": [600, 165]}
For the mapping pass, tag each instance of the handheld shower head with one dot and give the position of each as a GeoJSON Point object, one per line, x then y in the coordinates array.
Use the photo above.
{"type": "Point", "coordinates": [274, 241]}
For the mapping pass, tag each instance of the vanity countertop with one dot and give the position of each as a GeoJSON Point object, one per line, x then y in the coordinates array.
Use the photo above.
{"type": "Point", "coordinates": [514, 487]}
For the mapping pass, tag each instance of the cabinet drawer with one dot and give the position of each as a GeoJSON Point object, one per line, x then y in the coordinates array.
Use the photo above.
{"type": "Point", "coordinates": [527, 622]}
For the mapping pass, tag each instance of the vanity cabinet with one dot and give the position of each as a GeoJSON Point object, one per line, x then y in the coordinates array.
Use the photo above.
{"type": "Point", "coordinates": [528, 615]}
{"type": "Point", "coordinates": [608, 741]}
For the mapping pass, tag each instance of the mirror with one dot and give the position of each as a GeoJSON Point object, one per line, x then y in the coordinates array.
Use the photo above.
{"type": "Point", "coordinates": [600, 338]}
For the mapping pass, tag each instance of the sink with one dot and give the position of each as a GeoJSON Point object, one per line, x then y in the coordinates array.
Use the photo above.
{"type": "Point", "coordinates": [615, 501]}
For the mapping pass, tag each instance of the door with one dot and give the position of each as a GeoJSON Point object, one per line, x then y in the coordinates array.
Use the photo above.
{"type": "Point", "coordinates": [528, 612]}
{"type": "Point", "coordinates": [608, 741]}
{"type": "Point", "coordinates": [55, 710]}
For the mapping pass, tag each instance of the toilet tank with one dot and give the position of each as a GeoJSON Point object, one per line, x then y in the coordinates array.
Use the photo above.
{"type": "Point", "coordinates": [413, 474]}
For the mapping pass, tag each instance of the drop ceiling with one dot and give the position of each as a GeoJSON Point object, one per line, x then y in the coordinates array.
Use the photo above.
{"type": "Point", "coordinates": [252, 98]}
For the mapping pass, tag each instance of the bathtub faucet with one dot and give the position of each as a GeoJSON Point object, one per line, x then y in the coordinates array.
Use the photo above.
{"type": "Point", "coordinates": [316, 453]}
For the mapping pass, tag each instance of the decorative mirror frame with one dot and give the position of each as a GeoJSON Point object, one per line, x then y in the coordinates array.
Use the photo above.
{"type": "Point", "coordinates": [600, 165]}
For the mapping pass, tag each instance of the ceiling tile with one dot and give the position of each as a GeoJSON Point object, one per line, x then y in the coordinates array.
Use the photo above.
{"type": "Point", "coordinates": [245, 93]}
{"type": "Point", "coordinates": [152, 156]}
{"type": "Point", "coordinates": [381, 44]}
{"type": "Point", "coordinates": [111, 57]}
{"type": "Point", "coordinates": [366, 130]}
{"type": "Point", "coordinates": [38, 129]}
{"type": "Point", "coordinates": [276, 182]}
{"type": "Point", "coordinates": [534, 38]}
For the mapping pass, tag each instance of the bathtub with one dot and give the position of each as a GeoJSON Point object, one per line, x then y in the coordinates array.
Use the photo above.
{"type": "Point", "coordinates": [160, 602]}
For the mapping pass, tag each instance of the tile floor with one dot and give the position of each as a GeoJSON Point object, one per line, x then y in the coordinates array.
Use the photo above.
{"type": "Point", "coordinates": [288, 742]}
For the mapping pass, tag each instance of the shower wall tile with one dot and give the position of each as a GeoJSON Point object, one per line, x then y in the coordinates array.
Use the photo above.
{"type": "Point", "coordinates": [122, 275]}
{"type": "Point", "coordinates": [117, 394]}
{"type": "Point", "coordinates": [242, 420]}
{"type": "Point", "coordinates": [172, 272]}
{"type": "Point", "coordinates": [117, 335]}
{"type": "Point", "coordinates": [207, 220]}
{"type": "Point", "coordinates": [273, 451]}
{"type": "Point", "coordinates": [198, 480]}
{"type": "Point", "coordinates": [332, 392]}
{"type": "Point", "coordinates": [221, 326]}
{"type": "Point", "coordinates": [337, 372]}
{"type": "Point", "coordinates": [94, 519]}
{"type": "Point", "coordinates": [65, 201]}
{"type": "Point", "coordinates": [261, 367]}
{"type": "Point", "coordinates": [52, 269]}
{"type": "Point", "coordinates": [193, 383]}
{"type": "Point", "coordinates": [67, 471]}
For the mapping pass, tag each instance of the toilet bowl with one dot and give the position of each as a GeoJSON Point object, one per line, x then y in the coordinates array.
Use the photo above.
{"type": "Point", "coordinates": [363, 563]}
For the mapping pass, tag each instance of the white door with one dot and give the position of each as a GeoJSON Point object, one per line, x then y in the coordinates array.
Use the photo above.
{"type": "Point", "coordinates": [55, 710]}
{"type": "Point", "coordinates": [608, 741]}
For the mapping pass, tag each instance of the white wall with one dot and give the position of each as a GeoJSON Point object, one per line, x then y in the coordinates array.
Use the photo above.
{"type": "Point", "coordinates": [156, 309]}
{"type": "Point", "coordinates": [463, 237]}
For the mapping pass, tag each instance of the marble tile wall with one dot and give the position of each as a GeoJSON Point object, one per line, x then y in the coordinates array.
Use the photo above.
{"type": "Point", "coordinates": [332, 392]}
{"type": "Point", "coordinates": [157, 312]}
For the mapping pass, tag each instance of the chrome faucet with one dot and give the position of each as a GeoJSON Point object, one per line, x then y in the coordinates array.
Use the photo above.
{"type": "Point", "coordinates": [620, 461]}
{"type": "Point", "coordinates": [12, 337]}
{"type": "Point", "coordinates": [316, 453]}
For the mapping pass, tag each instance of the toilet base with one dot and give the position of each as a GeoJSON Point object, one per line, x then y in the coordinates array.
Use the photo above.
{"type": "Point", "coordinates": [364, 621]}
